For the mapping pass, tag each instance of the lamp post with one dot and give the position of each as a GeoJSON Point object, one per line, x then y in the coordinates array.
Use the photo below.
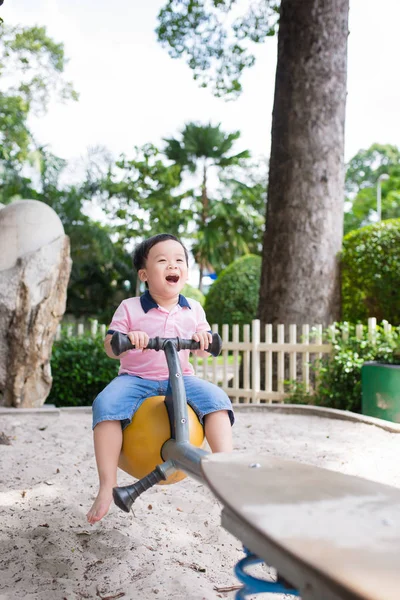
{"type": "Point", "coordinates": [383, 177]}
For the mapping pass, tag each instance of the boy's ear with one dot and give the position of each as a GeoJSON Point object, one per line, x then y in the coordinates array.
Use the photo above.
{"type": "Point", "coordinates": [142, 275]}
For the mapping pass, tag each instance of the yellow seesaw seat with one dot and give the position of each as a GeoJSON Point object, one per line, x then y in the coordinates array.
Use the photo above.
{"type": "Point", "coordinates": [144, 438]}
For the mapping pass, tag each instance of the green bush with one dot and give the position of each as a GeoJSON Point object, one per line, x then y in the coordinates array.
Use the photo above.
{"type": "Point", "coordinates": [233, 297]}
{"type": "Point", "coordinates": [80, 370]}
{"type": "Point", "coordinates": [371, 273]}
{"type": "Point", "coordinates": [339, 375]}
{"type": "Point", "coordinates": [191, 292]}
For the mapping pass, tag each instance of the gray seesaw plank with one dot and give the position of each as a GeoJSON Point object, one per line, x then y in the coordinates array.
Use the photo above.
{"type": "Point", "coordinates": [333, 536]}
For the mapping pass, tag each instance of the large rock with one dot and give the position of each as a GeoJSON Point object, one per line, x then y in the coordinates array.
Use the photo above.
{"type": "Point", "coordinates": [35, 266]}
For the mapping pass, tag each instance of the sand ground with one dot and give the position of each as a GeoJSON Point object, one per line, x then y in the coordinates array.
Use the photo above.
{"type": "Point", "coordinates": [172, 545]}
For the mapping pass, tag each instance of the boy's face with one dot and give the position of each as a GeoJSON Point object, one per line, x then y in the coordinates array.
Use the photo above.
{"type": "Point", "coordinates": [166, 270]}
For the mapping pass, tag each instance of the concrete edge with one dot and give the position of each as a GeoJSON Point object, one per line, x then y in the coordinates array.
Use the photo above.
{"type": "Point", "coordinates": [45, 410]}
{"type": "Point", "coordinates": [292, 409]}
{"type": "Point", "coordinates": [320, 411]}
{"type": "Point", "coordinates": [78, 409]}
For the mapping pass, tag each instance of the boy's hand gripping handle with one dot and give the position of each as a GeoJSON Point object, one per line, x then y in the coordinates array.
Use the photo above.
{"type": "Point", "coordinates": [121, 343]}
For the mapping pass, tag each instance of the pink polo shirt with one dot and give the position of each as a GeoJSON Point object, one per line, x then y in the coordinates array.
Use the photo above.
{"type": "Point", "coordinates": [144, 314]}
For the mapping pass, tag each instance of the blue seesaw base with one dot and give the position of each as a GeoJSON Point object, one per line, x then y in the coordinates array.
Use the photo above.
{"type": "Point", "coordinates": [253, 585]}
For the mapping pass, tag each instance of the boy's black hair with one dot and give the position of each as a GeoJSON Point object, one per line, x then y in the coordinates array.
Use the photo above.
{"type": "Point", "coordinates": [141, 251]}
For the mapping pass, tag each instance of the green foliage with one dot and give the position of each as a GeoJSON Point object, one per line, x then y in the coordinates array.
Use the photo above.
{"type": "Point", "coordinates": [297, 393]}
{"type": "Point", "coordinates": [235, 209]}
{"type": "Point", "coordinates": [213, 43]}
{"type": "Point", "coordinates": [206, 142]}
{"type": "Point", "coordinates": [339, 380]}
{"type": "Point", "coordinates": [233, 298]}
{"type": "Point", "coordinates": [190, 292]}
{"type": "Point", "coordinates": [338, 376]}
{"type": "Point", "coordinates": [234, 225]}
{"type": "Point", "coordinates": [39, 62]}
{"type": "Point", "coordinates": [13, 184]}
{"type": "Point", "coordinates": [371, 273]}
{"type": "Point", "coordinates": [31, 67]}
{"type": "Point", "coordinates": [362, 174]}
{"type": "Point", "coordinates": [14, 134]}
{"type": "Point", "coordinates": [366, 166]}
{"type": "Point", "coordinates": [80, 370]}
{"type": "Point", "coordinates": [102, 274]}
{"type": "Point", "coordinates": [135, 193]}
{"type": "Point", "coordinates": [140, 195]}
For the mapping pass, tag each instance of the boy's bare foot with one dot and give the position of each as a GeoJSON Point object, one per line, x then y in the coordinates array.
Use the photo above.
{"type": "Point", "coordinates": [100, 506]}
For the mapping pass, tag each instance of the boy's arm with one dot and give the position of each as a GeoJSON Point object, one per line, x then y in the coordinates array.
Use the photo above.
{"type": "Point", "coordinates": [119, 322]}
{"type": "Point", "coordinates": [203, 333]}
{"type": "Point", "coordinates": [107, 347]}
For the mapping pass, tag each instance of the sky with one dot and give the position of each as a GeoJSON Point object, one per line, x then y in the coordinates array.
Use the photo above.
{"type": "Point", "coordinates": [131, 92]}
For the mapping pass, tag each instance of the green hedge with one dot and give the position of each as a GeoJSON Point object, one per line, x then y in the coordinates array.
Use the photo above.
{"type": "Point", "coordinates": [233, 297]}
{"type": "Point", "coordinates": [371, 273]}
{"type": "Point", "coordinates": [191, 292]}
{"type": "Point", "coordinates": [339, 376]}
{"type": "Point", "coordinates": [80, 370]}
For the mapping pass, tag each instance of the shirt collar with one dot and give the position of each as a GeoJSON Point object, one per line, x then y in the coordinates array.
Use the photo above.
{"type": "Point", "coordinates": [148, 302]}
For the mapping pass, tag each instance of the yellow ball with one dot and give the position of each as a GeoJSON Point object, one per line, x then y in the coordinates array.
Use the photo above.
{"type": "Point", "coordinates": [144, 437]}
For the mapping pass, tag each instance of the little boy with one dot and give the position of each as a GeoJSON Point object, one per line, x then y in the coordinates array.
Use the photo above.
{"type": "Point", "coordinates": [162, 263]}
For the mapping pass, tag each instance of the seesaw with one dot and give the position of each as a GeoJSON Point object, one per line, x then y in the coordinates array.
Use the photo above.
{"type": "Point", "coordinates": [332, 536]}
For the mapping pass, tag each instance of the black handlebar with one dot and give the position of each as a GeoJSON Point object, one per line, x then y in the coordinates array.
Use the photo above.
{"type": "Point", "coordinates": [124, 497]}
{"type": "Point", "coordinates": [121, 343]}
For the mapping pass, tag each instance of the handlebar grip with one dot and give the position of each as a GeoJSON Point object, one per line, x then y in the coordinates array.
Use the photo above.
{"type": "Point", "coordinates": [216, 345]}
{"type": "Point", "coordinates": [121, 343]}
{"type": "Point", "coordinates": [124, 497]}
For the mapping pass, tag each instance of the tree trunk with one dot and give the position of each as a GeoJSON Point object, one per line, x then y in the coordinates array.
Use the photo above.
{"type": "Point", "coordinates": [300, 272]}
{"type": "Point", "coordinates": [201, 275]}
{"type": "Point", "coordinates": [204, 215]}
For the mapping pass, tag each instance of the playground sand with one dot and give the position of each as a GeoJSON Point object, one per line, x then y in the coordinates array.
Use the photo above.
{"type": "Point", "coordinates": [172, 546]}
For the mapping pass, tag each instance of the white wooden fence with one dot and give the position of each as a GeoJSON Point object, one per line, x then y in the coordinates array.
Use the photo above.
{"type": "Point", "coordinates": [284, 355]}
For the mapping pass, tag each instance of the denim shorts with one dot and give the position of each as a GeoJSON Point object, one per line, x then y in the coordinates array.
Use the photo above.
{"type": "Point", "coordinates": [123, 396]}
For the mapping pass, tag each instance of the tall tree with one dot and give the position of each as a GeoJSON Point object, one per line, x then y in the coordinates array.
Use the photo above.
{"type": "Point", "coordinates": [199, 148]}
{"type": "Point", "coordinates": [304, 223]}
{"type": "Point", "coordinates": [31, 66]}
{"type": "Point", "coordinates": [300, 271]}
{"type": "Point", "coordinates": [234, 225]}
{"type": "Point", "coordinates": [31, 71]}
{"type": "Point", "coordinates": [214, 45]}
{"type": "Point", "coordinates": [137, 191]}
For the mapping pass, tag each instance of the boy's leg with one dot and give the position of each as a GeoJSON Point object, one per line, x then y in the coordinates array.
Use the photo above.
{"type": "Point", "coordinates": [107, 437]}
{"type": "Point", "coordinates": [211, 404]}
{"type": "Point", "coordinates": [116, 403]}
{"type": "Point", "coordinates": [218, 430]}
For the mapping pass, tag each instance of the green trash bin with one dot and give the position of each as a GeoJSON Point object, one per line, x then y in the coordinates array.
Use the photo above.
{"type": "Point", "coordinates": [380, 385]}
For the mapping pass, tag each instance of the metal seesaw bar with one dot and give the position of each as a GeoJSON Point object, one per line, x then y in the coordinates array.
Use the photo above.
{"type": "Point", "coordinates": [179, 454]}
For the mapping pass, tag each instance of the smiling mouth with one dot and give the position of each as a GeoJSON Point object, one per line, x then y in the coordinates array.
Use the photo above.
{"type": "Point", "coordinates": [172, 278]}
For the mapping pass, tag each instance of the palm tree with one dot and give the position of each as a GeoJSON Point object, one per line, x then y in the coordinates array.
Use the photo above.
{"type": "Point", "coordinates": [199, 148]}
